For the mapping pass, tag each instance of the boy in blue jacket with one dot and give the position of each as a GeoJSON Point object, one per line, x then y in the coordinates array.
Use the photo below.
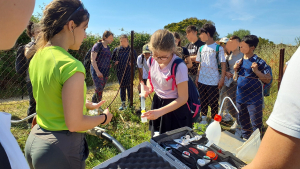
{"type": "Point", "coordinates": [252, 73]}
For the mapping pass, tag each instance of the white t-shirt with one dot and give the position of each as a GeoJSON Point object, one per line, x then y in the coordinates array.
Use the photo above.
{"type": "Point", "coordinates": [162, 87]}
{"type": "Point", "coordinates": [285, 117]}
{"type": "Point", "coordinates": [10, 144]}
{"type": "Point", "coordinates": [143, 65]}
{"type": "Point", "coordinates": [209, 74]}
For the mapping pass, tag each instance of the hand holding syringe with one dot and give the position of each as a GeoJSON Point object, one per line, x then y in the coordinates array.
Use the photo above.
{"type": "Point", "coordinates": [143, 104]}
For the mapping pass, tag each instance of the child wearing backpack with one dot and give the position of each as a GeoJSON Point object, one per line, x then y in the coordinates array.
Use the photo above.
{"type": "Point", "coordinates": [33, 29]}
{"type": "Point", "coordinates": [121, 58]}
{"type": "Point", "coordinates": [212, 64]}
{"type": "Point", "coordinates": [100, 64]}
{"type": "Point", "coordinates": [252, 70]}
{"type": "Point", "coordinates": [169, 108]}
{"type": "Point", "coordinates": [142, 65]}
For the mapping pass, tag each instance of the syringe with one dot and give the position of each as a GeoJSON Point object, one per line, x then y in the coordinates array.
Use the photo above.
{"type": "Point", "coordinates": [143, 107]}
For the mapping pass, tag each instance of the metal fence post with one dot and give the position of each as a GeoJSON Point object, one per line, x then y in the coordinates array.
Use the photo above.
{"type": "Point", "coordinates": [132, 68]}
{"type": "Point", "coordinates": [281, 63]}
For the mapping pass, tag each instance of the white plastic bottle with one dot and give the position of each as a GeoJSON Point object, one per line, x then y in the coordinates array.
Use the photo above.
{"type": "Point", "coordinates": [143, 106]}
{"type": "Point", "coordinates": [213, 131]}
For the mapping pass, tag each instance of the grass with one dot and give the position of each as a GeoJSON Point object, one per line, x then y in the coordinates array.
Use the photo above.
{"type": "Point", "coordinates": [125, 125]}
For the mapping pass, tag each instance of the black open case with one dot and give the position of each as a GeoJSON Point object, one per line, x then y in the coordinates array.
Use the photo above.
{"type": "Point", "coordinates": [163, 152]}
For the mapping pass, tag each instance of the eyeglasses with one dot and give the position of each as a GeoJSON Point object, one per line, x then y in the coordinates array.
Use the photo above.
{"type": "Point", "coordinates": [78, 9]}
{"type": "Point", "coordinates": [160, 57]}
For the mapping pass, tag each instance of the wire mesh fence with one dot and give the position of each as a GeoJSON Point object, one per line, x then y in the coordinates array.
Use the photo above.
{"type": "Point", "coordinates": [120, 75]}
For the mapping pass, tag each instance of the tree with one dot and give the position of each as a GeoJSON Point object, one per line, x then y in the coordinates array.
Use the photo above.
{"type": "Point", "coordinates": [240, 33]}
{"type": "Point", "coordinates": [263, 42]}
{"type": "Point", "coordinates": [243, 32]}
{"type": "Point", "coordinates": [182, 25]}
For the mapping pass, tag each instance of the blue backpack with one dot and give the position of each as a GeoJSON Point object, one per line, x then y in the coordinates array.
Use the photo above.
{"type": "Point", "coordinates": [193, 102]}
{"type": "Point", "coordinates": [266, 86]}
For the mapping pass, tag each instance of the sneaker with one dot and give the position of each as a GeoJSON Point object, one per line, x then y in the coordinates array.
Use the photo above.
{"type": "Point", "coordinates": [203, 120]}
{"type": "Point", "coordinates": [122, 106]}
{"type": "Point", "coordinates": [234, 126]}
{"type": "Point", "coordinates": [227, 117]}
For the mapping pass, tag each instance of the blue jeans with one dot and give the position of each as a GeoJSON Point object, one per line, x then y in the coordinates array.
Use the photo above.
{"type": "Point", "coordinates": [250, 118]}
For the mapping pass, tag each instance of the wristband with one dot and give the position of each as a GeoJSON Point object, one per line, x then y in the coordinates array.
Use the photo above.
{"type": "Point", "coordinates": [104, 119]}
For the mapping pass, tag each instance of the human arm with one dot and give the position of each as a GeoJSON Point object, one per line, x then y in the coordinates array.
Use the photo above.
{"type": "Point", "coordinates": [188, 62]}
{"type": "Point", "coordinates": [221, 82]}
{"type": "Point", "coordinates": [193, 58]}
{"type": "Point", "coordinates": [280, 154]}
{"type": "Point", "coordinates": [73, 106]}
{"type": "Point", "coordinates": [140, 74]}
{"type": "Point", "coordinates": [181, 100]}
{"type": "Point", "coordinates": [140, 67]}
{"type": "Point", "coordinates": [29, 51]}
{"type": "Point", "coordinates": [15, 15]}
{"type": "Point", "coordinates": [114, 56]}
{"type": "Point", "coordinates": [94, 64]}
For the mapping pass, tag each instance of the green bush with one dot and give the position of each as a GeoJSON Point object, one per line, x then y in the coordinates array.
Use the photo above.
{"type": "Point", "coordinates": [12, 84]}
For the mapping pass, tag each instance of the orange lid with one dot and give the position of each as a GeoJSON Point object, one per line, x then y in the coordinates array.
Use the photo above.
{"type": "Point", "coordinates": [212, 155]}
{"type": "Point", "coordinates": [218, 118]}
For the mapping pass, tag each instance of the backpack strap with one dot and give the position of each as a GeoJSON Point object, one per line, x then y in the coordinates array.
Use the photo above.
{"type": "Point", "coordinates": [200, 50]}
{"type": "Point", "coordinates": [197, 109]}
{"type": "Point", "coordinates": [149, 74]}
{"type": "Point", "coordinates": [174, 66]}
{"type": "Point", "coordinates": [218, 60]}
{"type": "Point", "coordinates": [143, 57]}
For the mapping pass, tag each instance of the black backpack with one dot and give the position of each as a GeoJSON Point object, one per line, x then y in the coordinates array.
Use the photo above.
{"type": "Point", "coordinates": [21, 64]}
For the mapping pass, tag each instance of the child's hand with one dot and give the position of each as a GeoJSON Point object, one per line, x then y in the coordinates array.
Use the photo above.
{"type": "Point", "coordinates": [254, 67]}
{"type": "Point", "coordinates": [229, 75]}
{"type": "Point", "coordinates": [146, 90]}
{"type": "Point", "coordinates": [237, 65]}
{"type": "Point", "coordinates": [100, 75]}
{"type": "Point", "coordinates": [92, 106]}
{"type": "Point", "coordinates": [152, 114]}
{"type": "Point", "coordinates": [109, 116]}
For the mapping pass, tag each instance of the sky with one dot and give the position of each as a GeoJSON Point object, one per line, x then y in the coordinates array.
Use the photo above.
{"type": "Point", "coordinates": [276, 20]}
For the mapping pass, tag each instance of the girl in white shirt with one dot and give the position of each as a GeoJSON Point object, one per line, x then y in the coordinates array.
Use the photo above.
{"type": "Point", "coordinates": [169, 108]}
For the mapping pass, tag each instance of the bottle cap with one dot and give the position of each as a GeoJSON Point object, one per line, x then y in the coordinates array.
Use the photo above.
{"type": "Point", "coordinates": [143, 111]}
{"type": "Point", "coordinates": [212, 155]}
{"type": "Point", "coordinates": [201, 162]}
{"type": "Point", "coordinates": [218, 118]}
